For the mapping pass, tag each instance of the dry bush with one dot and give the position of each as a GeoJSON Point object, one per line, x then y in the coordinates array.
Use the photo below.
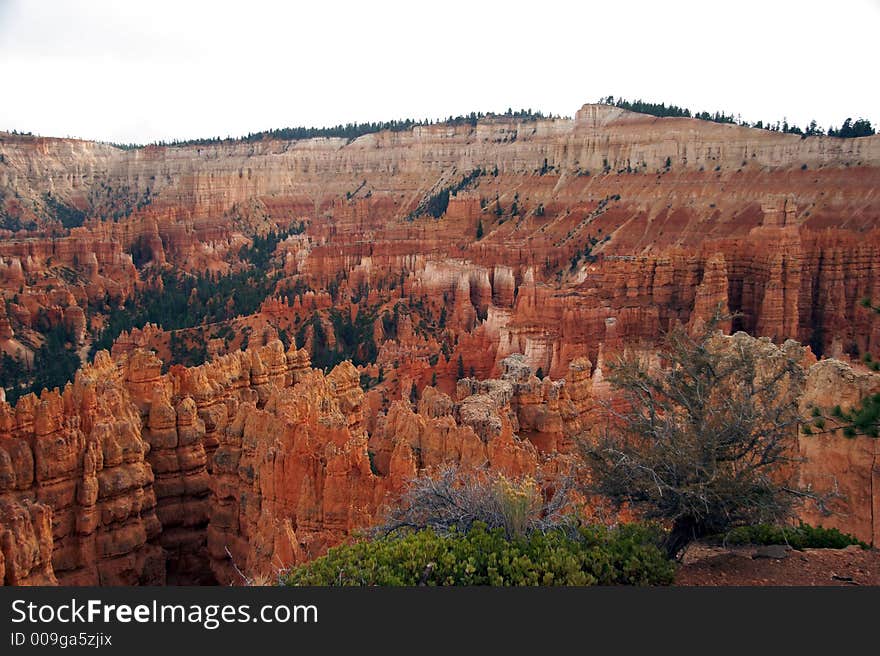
{"type": "Point", "coordinates": [703, 444]}
{"type": "Point", "coordinates": [455, 499]}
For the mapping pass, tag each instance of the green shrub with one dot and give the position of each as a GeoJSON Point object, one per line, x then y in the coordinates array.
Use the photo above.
{"type": "Point", "coordinates": [585, 555]}
{"type": "Point", "coordinates": [802, 536]}
{"type": "Point", "coordinates": [863, 419]}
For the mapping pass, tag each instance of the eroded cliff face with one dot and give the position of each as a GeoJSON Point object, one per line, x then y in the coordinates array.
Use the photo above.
{"type": "Point", "coordinates": [204, 182]}
{"type": "Point", "coordinates": [844, 469]}
{"type": "Point", "coordinates": [301, 472]}
{"type": "Point", "coordinates": [76, 488]}
{"type": "Point", "coordinates": [599, 234]}
{"type": "Point", "coordinates": [245, 465]}
{"type": "Point", "coordinates": [26, 543]}
{"type": "Point", "coordinates": [610, 225]}
{"type": "Point", "coordinates": [253, 462]}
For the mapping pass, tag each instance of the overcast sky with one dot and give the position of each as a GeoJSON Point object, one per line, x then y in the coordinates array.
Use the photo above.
{"type": "Point", "coordinates": [122, 70]}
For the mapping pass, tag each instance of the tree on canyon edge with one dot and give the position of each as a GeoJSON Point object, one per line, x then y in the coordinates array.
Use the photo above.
{"type": "Point", "coordinates": [702, 442]}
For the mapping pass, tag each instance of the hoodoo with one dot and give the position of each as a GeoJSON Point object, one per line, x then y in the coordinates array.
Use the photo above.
{"type": "Point", "coordinates": [222, 358]}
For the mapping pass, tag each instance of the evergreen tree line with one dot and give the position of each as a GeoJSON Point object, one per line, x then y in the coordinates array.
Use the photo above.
{"type": "Point", "coordinates": [851, 128]}
{"type": "Point", "coordinates": [348, 131]}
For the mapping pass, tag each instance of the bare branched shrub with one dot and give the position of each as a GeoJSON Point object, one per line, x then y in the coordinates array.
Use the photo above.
{"type": "Point", "coordinates": [455, 499]}
{"type": "Point", "coordinates": [703, 442]}
{"type": "Point", "coordinates": [261, 579]}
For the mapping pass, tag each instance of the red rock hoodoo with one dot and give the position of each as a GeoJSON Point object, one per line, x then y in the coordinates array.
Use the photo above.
{"type": "Point", "coordinates": [598, 234]}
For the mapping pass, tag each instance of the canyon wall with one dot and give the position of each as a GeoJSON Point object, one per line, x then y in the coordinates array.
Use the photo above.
{"type": "Point", "coordinates": [607, 219]}
{"type": "Point", "coordinates": [562, 243]}
{"type": "Point", "coordinates": [76, 488]}
{"type": "Point", "coordinates": [203, 182]}
{"type": "Point", "coordinates": [231, 471]}
{"type": "Point", "coordinates": [249, 463]}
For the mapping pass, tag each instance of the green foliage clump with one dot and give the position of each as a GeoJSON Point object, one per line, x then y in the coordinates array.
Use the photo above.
{"type": "Point", "coordinates": [585, 555]}
{"type": "Point", "coordinates": [802, 536]}
{"type": "Point", "coordinates": [861, 420]}
{"type": "Point", "coordinates": [375, 470]}
{"type": "Point", "coordinates": [644, 107]}
{"type": "Point", "coordinates": [55, 364]}
{"type": "Point", "coordinates": [435, 205]}
{"type": "Point", "coordinates": [68, 216]}
{"type": "Point", "coordinates": [262, 248]}
{"type": "Point", "coordinates": [864, 419]}
{"type": "Point", "coordinates": [187, 300]}
{"type": "Point", "coordinates": [189, 355]}
{"type": "Point", "coordinates": [850, 129]}
{"type": "Point", "coordinates": [12, 372]}
{"type": "Point", "coordinates": [354, 338]}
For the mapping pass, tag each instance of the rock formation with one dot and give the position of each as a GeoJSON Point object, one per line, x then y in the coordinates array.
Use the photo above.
{"type": "Point", "coordinates": [846, 470]}
{"type": "Point", "coordinates": [599, 233]}
{"type": "Point", "coordinates": [254, 461]}
{"type": "Point", "coordinates": [74, 462]}
{"type": "Point", "coordinates": [583, 221]}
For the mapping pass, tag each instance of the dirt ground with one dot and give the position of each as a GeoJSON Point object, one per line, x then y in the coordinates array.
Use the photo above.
{"type": "Point", "coordinates": [712, 565]}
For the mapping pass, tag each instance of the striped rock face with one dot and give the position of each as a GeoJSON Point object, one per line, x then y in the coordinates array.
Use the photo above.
{"type": "Point", "coordinates": [427, 258]}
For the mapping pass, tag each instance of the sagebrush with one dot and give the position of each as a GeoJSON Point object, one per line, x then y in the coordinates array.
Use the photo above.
{"type": "Point", "coordinates": [589, 555]}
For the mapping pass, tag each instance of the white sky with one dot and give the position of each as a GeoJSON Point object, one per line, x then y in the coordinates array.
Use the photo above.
{"type": "Point", "coordinates": [122, 70]}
